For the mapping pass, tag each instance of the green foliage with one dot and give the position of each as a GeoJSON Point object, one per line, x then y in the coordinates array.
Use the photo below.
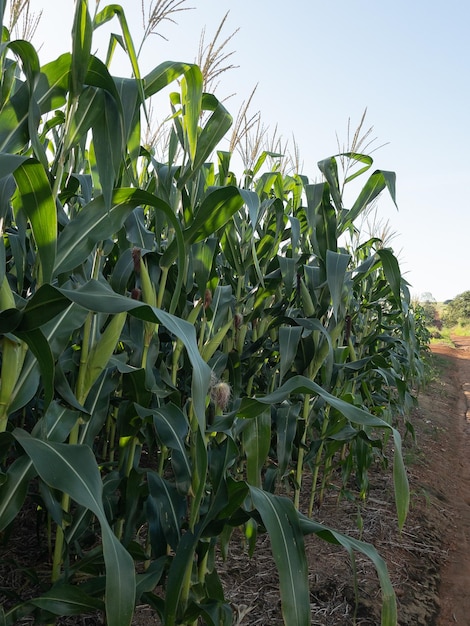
{"type": "Point", "coordinates": [178, 345]}
{"type": "Point", "coordinates": [457, 311]}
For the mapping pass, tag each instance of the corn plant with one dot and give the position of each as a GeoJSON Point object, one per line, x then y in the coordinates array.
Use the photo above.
{"type": "Point", "coordinates": [179, 346]}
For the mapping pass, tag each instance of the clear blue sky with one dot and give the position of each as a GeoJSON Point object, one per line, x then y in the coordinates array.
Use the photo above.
{"type": "Point", "coordinates": [319, 63]}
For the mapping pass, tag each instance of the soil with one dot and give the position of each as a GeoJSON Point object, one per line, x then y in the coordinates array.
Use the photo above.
{"type": "Point", "coordinates": [454, 480]}
{"type": "Point", "coordinates": [428, 562]}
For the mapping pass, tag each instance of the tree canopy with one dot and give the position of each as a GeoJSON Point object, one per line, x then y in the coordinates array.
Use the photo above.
{"type": "Point", "coordinates": [458, 310]}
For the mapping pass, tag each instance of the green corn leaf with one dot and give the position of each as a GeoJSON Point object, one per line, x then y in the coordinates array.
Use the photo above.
{"type": "Point", "coordinates": [13, 491]}
{"type": "Point", "coordinates": [108, 142]}
{"type": "Point", "coordinates": [231, 248]}
{"type": "Point", "coordinates": [322, 219]}
{"type": "Point", "coordinates": [182, 561]}
{"type": "Point", "coordinates": [39, 346]}
{"type": "Point", "coordinates": [329, 169]}
{"type": "Point", "coordinates": [163, 75]}
{"type": "Point", "coordinates": [191, 100]}
{"type": "Point", "coordinates": [282, 523]}
{"type": "Point", "coordinates": [129, 96]}
{"type": "Point", "coordinates": [223, 162]}
{"type": "Point", "coordinates": [214, 613]}
{"type": "Point", "coordinates": [96, 223]}
{"type": "Point", "coordinates": [202, 254]}
{"type": "Point", "coordinates": [28, 56]}
{"type": "Point", "coordinates": [266, 182]}
{"type": "Point", "coordinates": [336, 266]}
{"type": "Point", "coordinates": [57, 333]}
{"type": "Point", "coordinates": [82, 34]}
{"type": "Point", "coordinates": [171, 426]}
{"type": "Point", "coordinates": [101, 353]}
{"type": "Point", "coordinates": [96, 296]}
{"type": "Point", "coordinates": [9, 163]}
{"type": "Point", "coordinates": [389, 606]}
{"type": "Point", "coordinates": [215, 211]}
{"type": "Point", "coordinates": [360, 158]}
{"type": "Point", "coordinates": [286, 427]}
{"type": "Point", "coordinates": [289, 337]}
{"type": "Point", "coordinates": [97, 75]}
{"type": "Point", "coordinates": [37, 146]}
{"type": "Point", "coordinates": [52, 84]}
{"type": "Point", "coordinates": [64, 599]}
{"type": "Point", "coordinates": [106, 14]}
{"type": "Point", "coordinates": [149, 580]}
{"type": "Point", "coordinates": [44, 305]}
{"type": "Point", "coordinates": [55, 425]}
{"type": "Point", "coordinates": [306, 298]}
{"type": "Point", "coordinates": [250, 407]}
{"type": "Point", "coordinates": [72, 469]}
{"type": "Point", "coordinates": [169, 506]}
{"type": "Point", "coordinates": [2, 14]}
{"type": "Point", "coordinates": [392, 272]}
{"type": "Point", "coordinates": [376, 183]}
{"type": "Point", "coordinates": [14, 132]}
{"type": "Point", "coordinates": [34, 197]}
{"type": "Point", "coordinates": [221, 306]}
{"type": "Point", "coordinates": [122, 272]}
{"type": "Point", "coordinates": [136, 231]}
{"type": "Point", "coordinates": [211, 134]}
{"type": "Point", "coordinates": [253, 204]}
{"type": "Point", "coordinates": [91, 105]}
{"type": "Point", "coordinates": [214, 342]}
{"type": "Point", "coordinates": [287, 267]}
{"type": "Point", "coordinates": [198, 476]}
{"type": "Point", "coordinates": [256, 444]}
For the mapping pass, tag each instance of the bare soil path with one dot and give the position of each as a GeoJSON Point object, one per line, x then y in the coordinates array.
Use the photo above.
{"type": "Point", "coordinates": [455, 575]}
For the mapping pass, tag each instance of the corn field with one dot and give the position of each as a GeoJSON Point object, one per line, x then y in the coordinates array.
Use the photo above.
{"type": "Point", "coordinates": [182, 345]}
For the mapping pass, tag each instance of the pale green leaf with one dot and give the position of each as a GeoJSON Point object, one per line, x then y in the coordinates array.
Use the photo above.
{"type": "Point", "coordinates": [282, 523]}
{"type": "Point", "coordinates": [72, 469]}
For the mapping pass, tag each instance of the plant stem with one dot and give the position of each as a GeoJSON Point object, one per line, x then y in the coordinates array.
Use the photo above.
{"type": "Point", "coordinates": [301, 454]}
{"type": "Point", "coordinates": [60, 534]}
{"type": "Point", "coordinates": [132, 446]}
{"type": "Point", "coordinates": [317, 464]}
{"type": "Point", "coordinates": [162, 286]}
{"type": "Point", "coordinates": [186, 585]}
{"type": "Point", "coordinates": [84, 352]}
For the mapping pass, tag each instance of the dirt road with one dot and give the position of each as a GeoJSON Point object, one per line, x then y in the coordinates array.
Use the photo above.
{"type": "Point", "coordinates": [453, 475]}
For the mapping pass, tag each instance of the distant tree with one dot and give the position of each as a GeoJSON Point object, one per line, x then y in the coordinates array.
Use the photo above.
{"type": "Point", "coordinates": [458, 310]}
{"type": "Point", "coordinates": [430, 313]}
{"type": "Point", "coordinates": [427, 296]}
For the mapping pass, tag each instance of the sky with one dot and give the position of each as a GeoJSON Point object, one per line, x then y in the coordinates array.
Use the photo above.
{"type": "Point", "coordinates": [316, 66]}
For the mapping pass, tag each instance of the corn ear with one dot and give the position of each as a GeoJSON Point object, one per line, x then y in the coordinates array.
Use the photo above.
{"type": "Point", "coordinates": [13, 354]}
{"type": "Point", "coordinates": [102, 352]}
{"type": "Point", "coordinates": [241, 336]}
{"type": "Point", "coordinates": [148, 290]}
{"type": "Point", "coordinates": [149, 296]}
{"type": "Point", "coordinates": [307, 301]}
{"type": "Point", "coordinates": [211, 346]}
{"type": "Point", "coordinates": [7, 300]}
